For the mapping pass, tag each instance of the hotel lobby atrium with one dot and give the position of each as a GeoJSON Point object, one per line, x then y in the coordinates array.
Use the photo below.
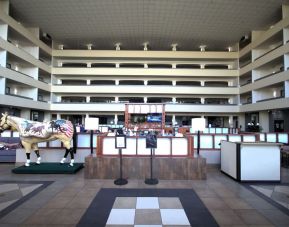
{"type": "Point", "coordinates": [176, 113]}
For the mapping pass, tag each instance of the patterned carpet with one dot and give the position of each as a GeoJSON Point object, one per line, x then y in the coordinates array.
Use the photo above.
{"type": "Point", "coordinates": [148, 211]}
{"type": "Point", "coordinates": [147, 207]}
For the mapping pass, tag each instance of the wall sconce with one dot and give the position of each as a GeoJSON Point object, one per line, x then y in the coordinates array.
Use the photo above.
{"type": "Point", "coordinates": [117, 46]}
{"type": "Point", "coordinates": [89, 46]}
{"type": "Point", "coordinates": [145, 46]}
{"type": "Point", "coordinates": [174, 46]}
{"type": "Point", "coordinates": [203, 48]}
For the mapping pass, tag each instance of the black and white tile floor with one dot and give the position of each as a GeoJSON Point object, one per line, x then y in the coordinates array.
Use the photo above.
{"type": "Point", "coordinates": [147, 211]}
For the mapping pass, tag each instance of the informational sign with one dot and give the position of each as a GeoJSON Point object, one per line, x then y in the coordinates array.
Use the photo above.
{"type": "Point", "coordinates": [120, 141]}
{"type": "Point", "coordinates": [198, 124]}
{"type": "Point", "coordinates": [151, 140]}
{"type": "Point", "coordinates": [91, 123]}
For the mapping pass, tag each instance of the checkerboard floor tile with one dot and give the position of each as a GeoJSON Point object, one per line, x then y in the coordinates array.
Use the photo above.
{"type": "Point", "coordinates": [147, 211]}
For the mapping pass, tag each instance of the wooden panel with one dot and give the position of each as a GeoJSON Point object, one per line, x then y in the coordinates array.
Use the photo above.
{"type": "Point", "coordinates": [139, 168]}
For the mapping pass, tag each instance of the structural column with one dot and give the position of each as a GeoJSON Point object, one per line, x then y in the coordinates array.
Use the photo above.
{"type": "Point", "coordinates": [202, 100]}
{"type": "Point", "coordinates": [47, 116]}
{"type": "Point", "coordinates": [25, 113]}
{"type": "Point", "coordinates": [264, 120]}
{"type": "Point", "coordinates": [115, 119]}
{"type": "Point", "coordinates": [231, 123]}
{"type": "Point", "coordinates": [241, 120]}
{"type": "Point", "coordinates": [206, 120]}
{"type": "Point", "coordinates": [2, 86]}
{"type": "Point", "coordinates": [173, 120]}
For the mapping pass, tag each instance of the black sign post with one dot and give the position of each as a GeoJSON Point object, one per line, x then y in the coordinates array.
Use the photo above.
{"type": "Point", "coordinates": [120, 142]}
{"type": "Point", "coordinates": [91, 141]}
{"type": "Point", "coordinates": [151, 142]}
{"type": "Point", "coordinates": [199, 141]}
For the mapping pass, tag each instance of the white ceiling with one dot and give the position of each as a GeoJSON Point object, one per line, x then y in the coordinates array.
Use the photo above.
{"type": "Point", "coordinates": [190, 23]}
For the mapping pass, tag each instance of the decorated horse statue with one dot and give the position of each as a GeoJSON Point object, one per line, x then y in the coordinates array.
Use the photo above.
{"type": "Point", "coordinates": [32, 132]}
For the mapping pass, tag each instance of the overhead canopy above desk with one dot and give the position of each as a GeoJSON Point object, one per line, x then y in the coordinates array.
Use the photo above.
{"type": "Point", "coordinates": [145, 116]}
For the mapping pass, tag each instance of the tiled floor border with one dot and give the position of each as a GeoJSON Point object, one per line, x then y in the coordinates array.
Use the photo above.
{"type": "Point", "coordinates": [26, 197]}
{"type": "Point", "coordinates": [269, 200]}
{"type": "Point", "coordinates": [98, 211]}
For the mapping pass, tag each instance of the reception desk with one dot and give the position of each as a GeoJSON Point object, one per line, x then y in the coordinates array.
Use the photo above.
{"type": "Point", "coordinates": [251, 161]}
{"type": "Point", "coordinates": [173, 159]}
{"type": "Point", "coordinates": [136, 146]}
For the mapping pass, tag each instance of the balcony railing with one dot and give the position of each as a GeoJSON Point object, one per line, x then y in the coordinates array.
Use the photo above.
{"type": "Point", "coordinates": [26, 75]}
{"type": "Point", "coordinates": [248, 82]}
{"type": "Point", "coordinates": [19, 72]}
{"type": "Point", "coordinates": [20, 96]}
{"type": "Point", "coordinates": [168, 102]}
{"type": "Point", "coordinates": [246, 103]}
{"type": "Point", "coordinates": [149, 67]}
{"type": "Point", "coordinates": [271, 74]}
{"type": "Point", "coordinates": [268, 51]}
{"type": "Point", "coordinates": [268, 99]}
{"type": "Point", "coordinates": [245, 63]}
{"type": "Point", "coordinates": [39, 100]}
{"type": "Point", "coordinates": [273, 98]}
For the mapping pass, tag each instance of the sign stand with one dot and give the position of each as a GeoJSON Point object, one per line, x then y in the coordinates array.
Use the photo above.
{"type": "Point", "coordinates": [91, 124]}
{"type": "Point", "coordinates": [198, 124]}
{"type": "Point", "coordinates": [151, 142]}
{"type": "Point", "coordinates": [198, 148]}
{"type": "Point", "coordinates": [91, 141]}
{"type": "Point", "coordinates": [120, 142]}
{"type": "Point", "coordinates": [151, 180]}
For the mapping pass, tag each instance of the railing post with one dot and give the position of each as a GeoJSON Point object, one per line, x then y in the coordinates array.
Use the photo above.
{"type": "Point", "coordinates": [99, 150]}
{"type": "Point", "coordinates": [257, 137]}
{"type": "Point", "coordinates": [190, 146]}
